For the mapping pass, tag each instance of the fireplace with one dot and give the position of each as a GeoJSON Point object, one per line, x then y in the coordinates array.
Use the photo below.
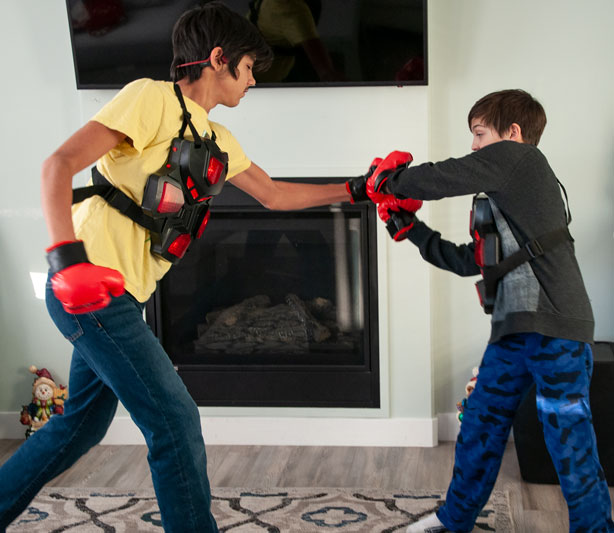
{"type": "Point", "coordinates": [275, 308]}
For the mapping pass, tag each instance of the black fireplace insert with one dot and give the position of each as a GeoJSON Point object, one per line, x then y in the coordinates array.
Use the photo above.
{"type": "Point", "coordinates": [275, 308]}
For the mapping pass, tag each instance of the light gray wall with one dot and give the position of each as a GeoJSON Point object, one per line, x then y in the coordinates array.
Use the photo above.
{"type": "Point", "coordinates": [432, 329]}
{"type": "Point", "coordinates": [561, 52]}
{"type": "Point", "coordinates": [40, 109]}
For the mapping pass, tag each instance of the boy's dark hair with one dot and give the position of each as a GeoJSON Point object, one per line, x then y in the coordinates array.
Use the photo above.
{"type": "Point", "coordinates": [499, 110]}
{"type": "Point", "coordinates": [201, 29]}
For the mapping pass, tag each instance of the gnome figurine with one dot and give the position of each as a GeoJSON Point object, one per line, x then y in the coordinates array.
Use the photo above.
{"type": "Point", "coordinates": [47, 401]}
{"type": "Point", "coordinates": [460, 406]}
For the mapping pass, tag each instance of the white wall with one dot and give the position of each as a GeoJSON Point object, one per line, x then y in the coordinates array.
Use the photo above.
{"type": "Point", "coordinates": [561, 52]}
{"type": "Point", "coordinates": [432, 329]}
{"type": "Point", "coordinates": [40, 109]}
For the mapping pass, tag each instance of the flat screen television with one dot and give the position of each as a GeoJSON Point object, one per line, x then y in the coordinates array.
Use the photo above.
{"type": "Point", "coordinates": [346, 42]}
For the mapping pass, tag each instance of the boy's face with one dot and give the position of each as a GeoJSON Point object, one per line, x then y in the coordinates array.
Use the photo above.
{"type": "Point", "coordinates": [235, 89]}
{"type": "Point", "coordinates": [483, 135]}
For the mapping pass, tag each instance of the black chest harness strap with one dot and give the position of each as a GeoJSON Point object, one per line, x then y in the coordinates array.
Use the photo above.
{"type": "Point", "coordinates": [117, 199]}
{"type": "Point", "coordinates": [488, 248]}
{"type": "Point", "coordinates": [175, 205]}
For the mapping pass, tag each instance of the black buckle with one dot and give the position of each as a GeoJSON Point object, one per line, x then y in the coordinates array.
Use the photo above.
{"type": "Point", "coordinates": [534, 249]}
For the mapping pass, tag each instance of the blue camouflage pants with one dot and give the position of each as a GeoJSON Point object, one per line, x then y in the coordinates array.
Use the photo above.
{"type": "Point", "coordinates": [562, 371]}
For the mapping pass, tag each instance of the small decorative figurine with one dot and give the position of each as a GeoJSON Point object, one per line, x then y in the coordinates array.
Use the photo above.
{"type": "Point", "coordinates": [47, 401]}
{"type": "Point", "coordinates": [468, 390]}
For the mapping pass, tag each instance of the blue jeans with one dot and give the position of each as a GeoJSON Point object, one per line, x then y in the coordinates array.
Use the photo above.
{"type": "Point", "coordinates": [562, 372]}
{"type": "Point", "coordinates": [116, 356]}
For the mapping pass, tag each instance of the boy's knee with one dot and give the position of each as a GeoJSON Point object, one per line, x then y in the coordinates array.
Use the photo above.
{"type": "Point", "coordinates": [556, 412]}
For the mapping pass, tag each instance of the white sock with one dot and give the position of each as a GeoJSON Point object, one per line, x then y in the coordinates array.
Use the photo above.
{"type": "Point", "coordinates": [428, 524]}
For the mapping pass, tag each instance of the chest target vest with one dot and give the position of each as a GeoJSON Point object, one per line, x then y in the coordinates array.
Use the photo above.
{"type": "Point", "coordinates": [176, 199]}
{"type": "Point", "coordinates": [488, 252]}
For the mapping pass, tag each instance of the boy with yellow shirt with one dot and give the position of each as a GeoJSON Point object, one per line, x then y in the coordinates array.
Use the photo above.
{"type": "Point", "coordinates": [104, 265]}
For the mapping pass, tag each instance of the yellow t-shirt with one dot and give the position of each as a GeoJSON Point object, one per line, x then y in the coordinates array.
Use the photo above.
{"type": "Point", "coordinates": [149, 113]}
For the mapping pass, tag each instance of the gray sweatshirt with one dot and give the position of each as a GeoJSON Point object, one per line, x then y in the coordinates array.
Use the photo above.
{"type": "Point", "coordinates": [545, 295]}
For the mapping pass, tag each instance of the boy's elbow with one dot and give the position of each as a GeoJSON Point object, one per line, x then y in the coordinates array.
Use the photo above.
{"type": "Point", "coordinates": [51, 166]}
{"type": "Point", "coordinates": [277, 197]}
{"type": "Point", "coordinates": [55, 164]}
{"type": "Point", "coordinates": [271, 203]}
{"type": "Point", "coordinates": [469, 270]}
{"type": "Point", "coordinates": [275, 200]}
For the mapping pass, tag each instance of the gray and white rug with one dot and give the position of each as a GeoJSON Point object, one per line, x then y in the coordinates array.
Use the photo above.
{"type": "Point", "coordinates": [243, 510]}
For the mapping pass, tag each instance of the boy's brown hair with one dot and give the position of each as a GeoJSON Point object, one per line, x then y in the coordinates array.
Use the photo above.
{"type": "Point", "coordinates": [202, 28]}
{"type": "Point", "coordinates": [501, 109]}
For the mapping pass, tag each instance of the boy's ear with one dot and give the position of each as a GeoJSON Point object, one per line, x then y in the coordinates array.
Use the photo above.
{"type": "Point", "coordinates": [515, 133]}
{"type": "Point", "coordinates": [217, 58]}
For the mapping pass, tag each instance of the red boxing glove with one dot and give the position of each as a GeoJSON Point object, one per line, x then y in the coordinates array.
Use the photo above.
{"type": "Point", "coordinates": [81, 286]}
{"type": "Point", "coordinates": [374, 164]}
{"type": "Point", "coordinates": [399, 215]}
{"type": "Point", "coordinates": [394, 161]}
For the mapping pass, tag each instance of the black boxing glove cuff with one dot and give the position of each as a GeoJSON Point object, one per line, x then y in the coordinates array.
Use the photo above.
{"type": "Point", "coordinates": [399, 224]}
{"type": "Point", "coordinates": [65, 254]}
{"type": "Point", "coordinates": [357, 187]}
{"type": "Point", "coordinates": [380, 182]}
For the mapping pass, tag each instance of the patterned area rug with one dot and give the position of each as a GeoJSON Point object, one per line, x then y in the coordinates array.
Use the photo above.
{"type": "Point", "coordinates": [242, 511]}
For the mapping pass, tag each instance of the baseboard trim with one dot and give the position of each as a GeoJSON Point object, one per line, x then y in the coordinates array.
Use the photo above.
{"type": "Point", "coordinates": [448, 426]}
{"type": "Point", "coordinates": [278, 431]}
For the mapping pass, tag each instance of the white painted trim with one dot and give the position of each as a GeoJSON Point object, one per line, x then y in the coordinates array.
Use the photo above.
{"type": "Point", "coordinates": [277, 431]}
{"type": "Point", "coordinates": [448, 427]}
{"type": "Point", "coordinates": [284, 431]}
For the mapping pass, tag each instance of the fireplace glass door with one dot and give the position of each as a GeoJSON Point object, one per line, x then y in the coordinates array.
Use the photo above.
{"type": "Point", "coordinates": [286, 295]}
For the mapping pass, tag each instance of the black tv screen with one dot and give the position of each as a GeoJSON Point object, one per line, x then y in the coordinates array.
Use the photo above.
{"type": "Point", "coordinates": [315, 42]}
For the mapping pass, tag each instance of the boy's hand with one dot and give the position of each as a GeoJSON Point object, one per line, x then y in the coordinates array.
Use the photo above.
{"type": "Point", "coordinates": [399, 215]}
{"type": "Point", "coordinates": [357, 187]}
{"type": "Point", "coordinates": [376, 184]}
{"type": "Point", "coordinates": [81, 286]}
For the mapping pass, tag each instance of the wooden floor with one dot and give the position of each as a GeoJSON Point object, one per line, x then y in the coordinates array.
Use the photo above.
{"type": "Point", "coordinates": [535, 508]}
